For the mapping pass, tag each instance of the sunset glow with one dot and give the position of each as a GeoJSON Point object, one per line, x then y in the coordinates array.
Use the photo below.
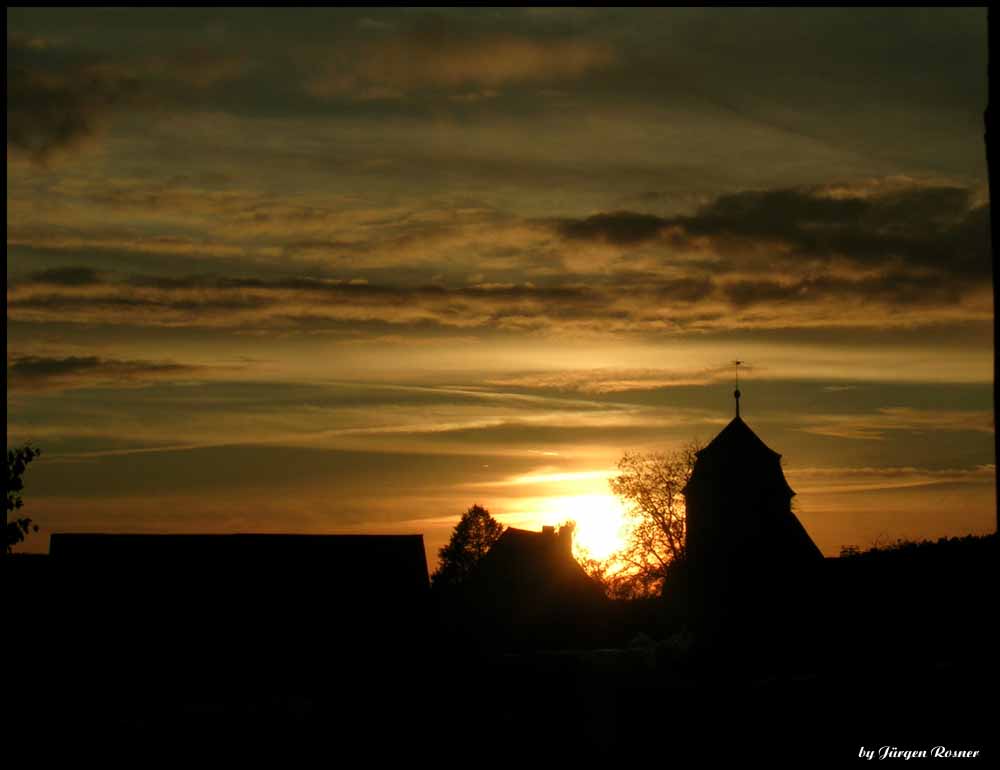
{"type": "Point", "coordinates": [558, 384]}
{"type": "Point", "coordinates": [354, 270]}
{"type": "Point", "coordinates": [600, 523]}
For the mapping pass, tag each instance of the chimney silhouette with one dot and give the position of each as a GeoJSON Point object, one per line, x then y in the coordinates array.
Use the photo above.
{"type": "Point", "coordinates": [566, 537]}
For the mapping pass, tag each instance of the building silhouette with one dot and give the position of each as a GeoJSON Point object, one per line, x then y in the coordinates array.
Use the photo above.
{"type": "Point", "coordinates": [529, 591]}
{"type": "Point", "coordinates": [746, 549]}
{"type": "Point", "coordinates": [536, 569]}
{"type": "Point", "coordinates": [242, 607]}
{"type": "Point", "coordinates": [270, 633]}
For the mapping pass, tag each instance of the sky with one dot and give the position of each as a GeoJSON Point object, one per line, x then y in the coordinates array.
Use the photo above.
{"type": "Point", "coordinates": [331, 271]}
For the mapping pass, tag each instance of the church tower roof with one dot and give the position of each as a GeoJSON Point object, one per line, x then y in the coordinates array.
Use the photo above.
{"type": "Point", "coordinates": [738, 455]}
{"type": "Point", "coordinates": [737, 437]}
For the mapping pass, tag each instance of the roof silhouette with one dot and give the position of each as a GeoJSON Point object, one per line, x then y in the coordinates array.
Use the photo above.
{"type": "Point", "coordinates": [294, 575]}
{"type": "Point", "coordinates": [299, 598]}
{"type": "Point", "coordinates": [736, 435]}
{"type": "Point", "coordinates": [383, 560]}
{"type": "Point", "coordinates": [528, 590]}
{"type": "Point", "coordinates": [739, 516]}
{"type": "Point", "coordinates": [738, 455]}
{"type": "Point", "coordinates": [535, 565]}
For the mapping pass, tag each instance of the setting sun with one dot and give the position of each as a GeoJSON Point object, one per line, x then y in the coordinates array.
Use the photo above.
{"type": "Point", "coordinates": [563, 382]}
{"type": "Point", "coordinates": [600, 523]}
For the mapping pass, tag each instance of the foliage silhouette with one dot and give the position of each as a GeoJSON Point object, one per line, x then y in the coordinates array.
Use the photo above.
{"type": "Point", "coordinates": [650, 485]}
{"type": "Point", "coordinates": [906, 547]}
{"type": "Point", "coordinates": [16, 529]}
{"type": "Point", "coordinates": [472, 538]}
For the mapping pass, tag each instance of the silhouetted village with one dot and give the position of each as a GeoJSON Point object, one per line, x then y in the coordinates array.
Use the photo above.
{"type": "Point", "coordinates": [758, 648]}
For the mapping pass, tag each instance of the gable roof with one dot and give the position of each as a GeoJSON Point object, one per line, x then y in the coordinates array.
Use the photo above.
{"type": "Point", "coordinates": [535, 566]}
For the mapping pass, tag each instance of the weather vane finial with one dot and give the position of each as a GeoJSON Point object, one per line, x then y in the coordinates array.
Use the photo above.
{"type": "Point", "coordinates": [736, 393]}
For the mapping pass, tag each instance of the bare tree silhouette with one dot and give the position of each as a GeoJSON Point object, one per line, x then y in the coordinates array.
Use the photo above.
{"type": "Point", "coordinates": [651, 487]}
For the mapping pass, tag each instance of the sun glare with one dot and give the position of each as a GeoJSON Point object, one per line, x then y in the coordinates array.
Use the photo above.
{"type": "Point", "coordinates": [600, 523]}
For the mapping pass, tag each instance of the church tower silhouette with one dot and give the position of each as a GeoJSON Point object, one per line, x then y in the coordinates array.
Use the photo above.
{"type": "Point", "coordinates": [740, 525]}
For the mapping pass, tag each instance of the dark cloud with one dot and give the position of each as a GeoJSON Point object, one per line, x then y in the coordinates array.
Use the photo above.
{"type": "Point", "coordinates": [37, 367]}
{"type": "Point", "coordinates": [937, 228]}
{"type": "Point", "coordinates": [211, 290]}
{"type": "Point", "coordinates": [60, 97]}
{"type": "Point", "coordinates": [857, 79]}
{"type": "Point", "coordinates": [623, 228]}
{"type": "Point", "coordinates": [678, 290]}
{"type": "Point", "coordinates": [897, 289]}
{"type": "Point", "coordinates": [57, 100]}
{"type": "Point", "coordinates": [50, 373]}
{"type": "Point", "coordinates": [362, 289]}
{"type": "Point", "coordinates": [226, 282]}
{"type": "Point", "coordinates": [65, 276]}
{"type": "Point", "coordinates": [215, 300]}
{"type": "Point", "coordinates": [927, 226]}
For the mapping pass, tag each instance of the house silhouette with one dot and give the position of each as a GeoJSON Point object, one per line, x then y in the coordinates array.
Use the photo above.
{"type": "Point", "coordinates": [536, 570]}
{"type": "Point", "coordinates": [528, 591]}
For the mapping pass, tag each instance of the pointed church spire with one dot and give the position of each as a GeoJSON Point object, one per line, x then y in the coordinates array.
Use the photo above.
{"type": "Point", "coordinates": [736, 393]}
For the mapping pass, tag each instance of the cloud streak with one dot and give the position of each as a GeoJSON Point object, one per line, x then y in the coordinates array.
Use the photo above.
{"type": "Point", "coordinates": [602, 381]}
{"type": "Point", "coordinates": [40, 373]}
{"type": "Point", "coordinates": [620, 305]}
{"type": "Point", "coordinates": [840, 480]}
{"type": "Point", "coordinates": [874, 427]}
{"type": "Point", "coordinates": [435, 55]}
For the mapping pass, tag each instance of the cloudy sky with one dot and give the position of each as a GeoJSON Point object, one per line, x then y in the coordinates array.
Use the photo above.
{"type": "Point", "coordinates": [326, 270]}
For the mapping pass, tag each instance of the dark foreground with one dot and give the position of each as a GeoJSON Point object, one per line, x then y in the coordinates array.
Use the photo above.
{"type": "Point", "coordinates": [570, 706]}
{"type": "Point", "coordinates": [894, 655]}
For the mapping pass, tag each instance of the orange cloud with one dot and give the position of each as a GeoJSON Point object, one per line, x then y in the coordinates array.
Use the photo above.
{"type": "Point", "coordinates": [440, 59]}
{"type": "Point", "coordinates": [873, 427]}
